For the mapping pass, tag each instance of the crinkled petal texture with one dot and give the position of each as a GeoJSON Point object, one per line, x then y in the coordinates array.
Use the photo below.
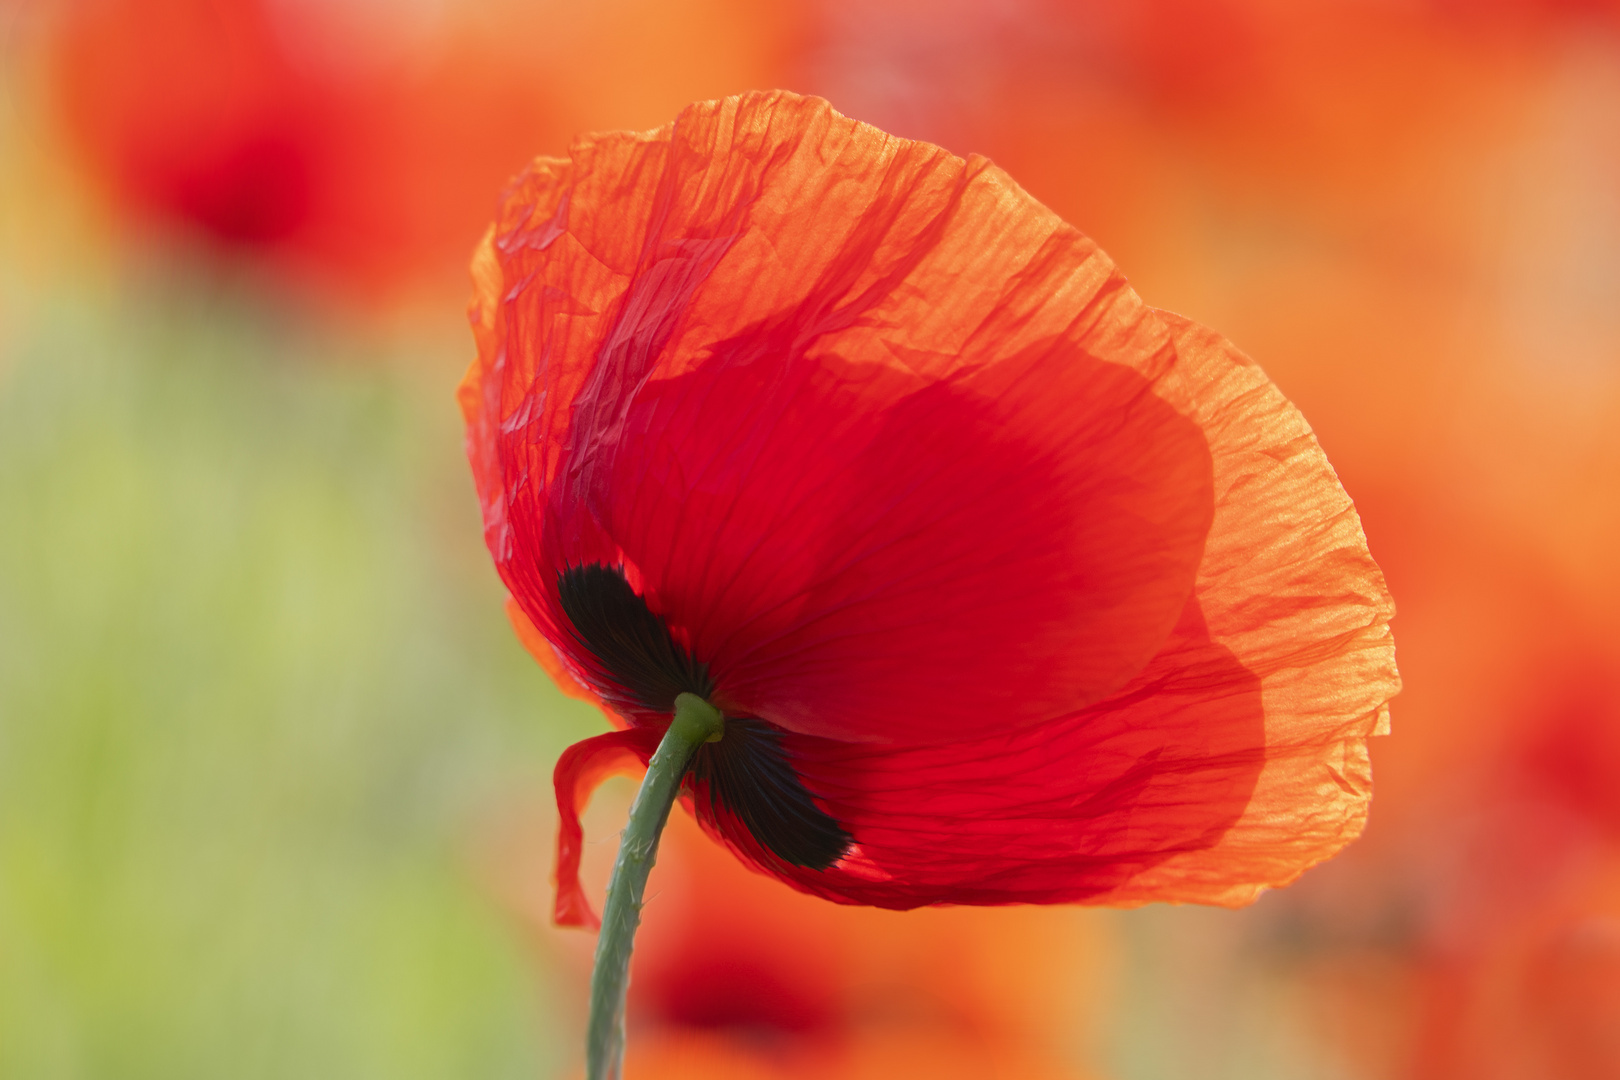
{"type": "Point", "coordinates": [1049, 595]}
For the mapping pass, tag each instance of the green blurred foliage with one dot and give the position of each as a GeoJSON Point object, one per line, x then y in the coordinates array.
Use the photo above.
{"type": "Point", "coordinates": [256, 696]}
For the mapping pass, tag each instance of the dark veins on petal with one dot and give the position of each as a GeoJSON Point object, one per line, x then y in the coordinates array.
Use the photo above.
{"type": "Point", "coordinates": [748, 772]}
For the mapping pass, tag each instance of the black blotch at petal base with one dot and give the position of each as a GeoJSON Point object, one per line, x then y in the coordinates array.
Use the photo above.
{"type": "Point", "coordinates": [749, 773]}
{"type": "Point", "coordinates": [644, 666]}
{"type": "Point", "coordinates": [640, 666]}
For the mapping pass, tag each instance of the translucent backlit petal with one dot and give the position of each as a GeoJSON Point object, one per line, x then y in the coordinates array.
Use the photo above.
{"type": "Point", "coordinates": [1052, 595]}
{"type": "Point", "coordinates": [1232, 762]}
{"type": "Point", "coordinates": [579, 770]}
{"type": "Point", "coordinates": [813, 468]}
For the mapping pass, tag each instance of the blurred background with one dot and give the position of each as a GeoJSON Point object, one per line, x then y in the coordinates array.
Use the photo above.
{"type": "Point", "coordinates": [274, 774]}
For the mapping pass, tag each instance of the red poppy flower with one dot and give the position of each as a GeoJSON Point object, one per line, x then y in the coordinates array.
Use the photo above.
{"type": "Point", "coordinates": [1012, 588]}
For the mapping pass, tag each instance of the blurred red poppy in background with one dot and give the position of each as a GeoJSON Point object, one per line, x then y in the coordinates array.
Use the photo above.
{"type": "Point", "coordinates": [364, 143]}
{"type": "Point", "coordinates": [735, 975]}
{"type": "Point", "coordinates": [1014, 588]}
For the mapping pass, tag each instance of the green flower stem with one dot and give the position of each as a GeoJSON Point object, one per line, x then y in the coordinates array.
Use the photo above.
{"type": "Point", "coordinates": [695, 722]}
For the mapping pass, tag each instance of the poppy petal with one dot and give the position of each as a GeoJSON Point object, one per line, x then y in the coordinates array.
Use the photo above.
{"type": "Point", "coordinates": [1071, 810]}
{"type": "Point", "coordinates": [579, 770]}
{"type": "Point", "coordinates": [1233, 762]}
{"type": "Point", "coordinates": [851, 502]}
{"type": "Point", "coordinates": [1287, 584]}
